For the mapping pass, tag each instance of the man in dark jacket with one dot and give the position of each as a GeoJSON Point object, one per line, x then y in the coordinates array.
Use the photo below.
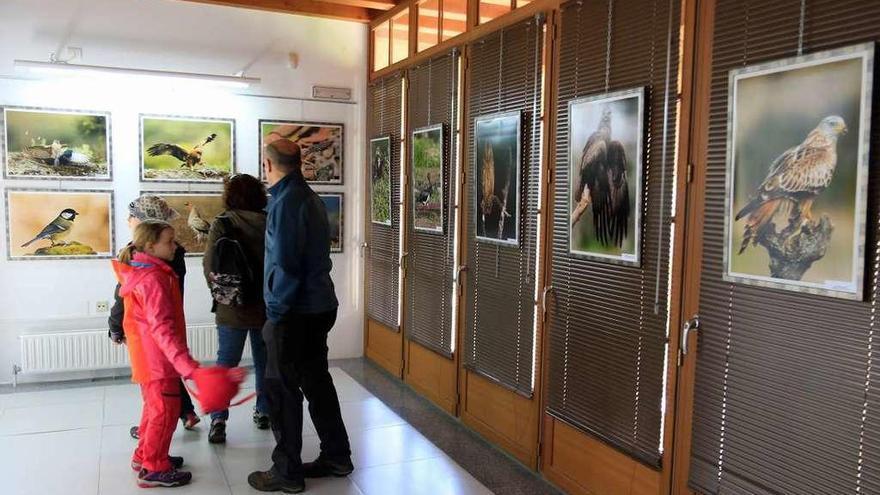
{"type": "Point", "coordinates": [300, 309]}
{"type": "Point", "coordinates": [143, 208]}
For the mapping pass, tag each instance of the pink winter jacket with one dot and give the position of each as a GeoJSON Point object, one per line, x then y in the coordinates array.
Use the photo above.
{"type": "Point", "coordinates": [155, 328]}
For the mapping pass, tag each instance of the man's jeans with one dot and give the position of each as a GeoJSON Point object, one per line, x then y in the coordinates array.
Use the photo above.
{"type": "Point", "coordinates": [231, 346]}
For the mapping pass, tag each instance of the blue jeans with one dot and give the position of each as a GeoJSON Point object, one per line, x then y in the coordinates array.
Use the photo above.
{"type": "Point", "coordinates": [231, 345]}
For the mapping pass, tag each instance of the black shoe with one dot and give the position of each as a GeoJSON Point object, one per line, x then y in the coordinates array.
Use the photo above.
{"type": "Point", "coordinates": [218, 432]}
{"type": "Point", "coordinates": [134, 432]}
{"type": "Point", "coordinates": [322, 467]}
{"type": "Point", "coordinates": [261, 420]}
{"type": "Point", "coordinates": [268, 481]}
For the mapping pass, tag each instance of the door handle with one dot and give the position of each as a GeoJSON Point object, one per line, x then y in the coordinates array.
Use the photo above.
{"type": "Point", "coordinates": [546, 291]}
{"type": "Point", "coordinates": [692, 325]}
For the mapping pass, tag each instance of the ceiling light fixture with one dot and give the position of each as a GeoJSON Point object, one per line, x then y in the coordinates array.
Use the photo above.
{"type": "Point", "coordinates": [65, 67]}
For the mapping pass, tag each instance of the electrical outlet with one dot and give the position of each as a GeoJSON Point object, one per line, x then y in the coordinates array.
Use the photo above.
{"type": "Point", "coordinates": [102, 307]}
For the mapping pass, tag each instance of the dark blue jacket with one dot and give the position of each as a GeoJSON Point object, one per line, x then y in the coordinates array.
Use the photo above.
{"type": "Point", "coordinates": [297, 275]}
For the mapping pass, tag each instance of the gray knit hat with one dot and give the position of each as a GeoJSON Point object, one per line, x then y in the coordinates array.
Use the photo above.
{"type": "Point", "coordinates": [151, 207]}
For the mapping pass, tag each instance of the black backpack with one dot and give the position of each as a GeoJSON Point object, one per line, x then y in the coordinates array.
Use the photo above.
{"type": "Point", "coordinates": [233, 280]}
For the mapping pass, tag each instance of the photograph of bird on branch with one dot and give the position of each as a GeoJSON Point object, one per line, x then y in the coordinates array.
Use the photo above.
{"type": "Point", "coordinates": [427, 177]}
{"type": "Point", "coordinates": [195, 213]}
{"type": "Point", "coordinates": [178, 149]}
{"type": "Point", "coordinates": [497, 150]}
{"type": "Point", "coordinates": [380, 181]}
{"type": "Point", "coordinates": [56, 144]}
{"type": "Point", "coordinates": [605, 175]}
{"type": "Point", "coordinates": [321, 145]}
{"type": "Point", "coordinates": [797, 170]}
{"type": "Point", "coordinates": [54, 224]}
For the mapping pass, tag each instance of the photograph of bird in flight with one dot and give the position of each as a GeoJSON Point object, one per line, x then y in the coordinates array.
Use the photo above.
{"type": "Point", "coordinates": [56, 144]}
{"type": "Point", "coordinates": [196, 212]}
{"type": "Point", "coordinates": [187, 149]}
{"type": "Point", "coordinates": [56, 224]}
{"type": "Point", "coordinates": [605, 175]}
{"type": "Point", "coordinates": [797, 171]}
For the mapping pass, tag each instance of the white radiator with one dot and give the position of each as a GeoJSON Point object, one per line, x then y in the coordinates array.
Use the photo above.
{"type": "Point", "coordinates": [92, 350]}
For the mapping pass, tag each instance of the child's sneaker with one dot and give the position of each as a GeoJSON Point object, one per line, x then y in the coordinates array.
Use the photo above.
{"type": "Point", "coordinates": [261, 420]}
{"type": "Point", "coordinates": [218, 431]}
{"type": "Point", "coordinates": [190, 421]}
{"type": "Point", "coordinates": [166, 479]}
{"type": "Point", "coordinates": [176, 463]}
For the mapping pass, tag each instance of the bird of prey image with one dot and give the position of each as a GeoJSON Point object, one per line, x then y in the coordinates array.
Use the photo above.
{"type": "Point", "coordinates": [602, 184]}
{"type": "Point", "coordinates": [188, 157]}
{"type": "Point", "coordinates": [490, 200]}
{"type": "Point", "coordinates": [199, 225]}
{"type": "Point", "coordinates": [57, 229]}
{"type": "Point", "coordinates": [796, 178]}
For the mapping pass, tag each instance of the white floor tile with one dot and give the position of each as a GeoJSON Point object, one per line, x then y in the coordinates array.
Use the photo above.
{"type": "Point", "coordinates": [239, 460]}
{"type": "Point", "coordinates": [51, 397]}
{"type": "Point", "coordinates": [437, 476]}
{"type": "Point", "coordinates": [390, 445]}
{"type": "Point", "coordinates": [63, 462]}
{"type": "Point", "coordinates": [326, 486]}
{"type": "Point", "coordinates": [51, 418]}
{"type": "Point", "coordinates": [366, 414]}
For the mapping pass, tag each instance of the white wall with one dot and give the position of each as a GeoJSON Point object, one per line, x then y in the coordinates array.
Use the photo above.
{"type": "Point", "coordinates": [47, 296]}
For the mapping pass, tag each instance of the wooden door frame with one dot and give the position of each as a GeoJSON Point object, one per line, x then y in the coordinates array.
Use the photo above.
{"type": "Point", "coordinates": [701, 29]}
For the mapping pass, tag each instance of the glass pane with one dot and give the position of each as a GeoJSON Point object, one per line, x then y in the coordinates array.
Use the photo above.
{"type": "Point", "coordinates": [429, 23]}
{"type": "Point", "coordinates": [490, 9]}
{"type": "Point", "coordinates": [380, 45]}
{"type": "Point", "coordinates": [454, 18]}
{"type": "Point", "coordinates": [522, 3]}
{"type": "Point", "coordinates": [400, 36]}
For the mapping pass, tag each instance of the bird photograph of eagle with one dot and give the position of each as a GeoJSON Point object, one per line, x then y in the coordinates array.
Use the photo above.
{"type": "Point", "coordinates": [48, 144]}
{"type": "Point", "coordinates": [605, 175]}
{"type": "Point", "coordinates": [196, 212]}
{"type": "Point", "coordinates": [47, 224]}
{"type": "Point", "coordinates": [497, 149]}
{"type": "Point", "coordinates": [184, 149]}
{"type": "Point", "coordinates": [797, 173]}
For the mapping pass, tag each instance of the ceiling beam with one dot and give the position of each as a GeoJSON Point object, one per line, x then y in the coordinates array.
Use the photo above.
{"type": "Point", "coordinates": [382, 5]}
{"type": "Point", "coordinates": [312, 8]}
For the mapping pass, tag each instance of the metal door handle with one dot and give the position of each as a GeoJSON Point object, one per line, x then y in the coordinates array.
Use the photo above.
{"type": "Point", "coordinates": [546, 291]}
{"type": "Point", "coordinates": [692, 325]}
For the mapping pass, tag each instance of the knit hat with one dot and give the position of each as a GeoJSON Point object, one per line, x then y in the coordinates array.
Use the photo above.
{"type": "Point", "coordinates": [151, 207]}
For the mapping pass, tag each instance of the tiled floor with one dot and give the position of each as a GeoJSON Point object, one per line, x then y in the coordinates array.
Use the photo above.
{"type": "Point", "coordinates": [75, 441]}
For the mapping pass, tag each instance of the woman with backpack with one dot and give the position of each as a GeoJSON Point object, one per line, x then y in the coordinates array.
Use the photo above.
{"type": "Point", "coordinates": [233, 266]}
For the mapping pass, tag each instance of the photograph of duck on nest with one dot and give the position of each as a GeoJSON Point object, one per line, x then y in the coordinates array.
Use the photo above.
{"type": "Point", "coordinates": [50, 144]}
{"type": "Point", "coordinates": [186, 149]}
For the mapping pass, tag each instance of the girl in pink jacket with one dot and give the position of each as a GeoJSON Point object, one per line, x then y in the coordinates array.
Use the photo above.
{"type": "Point", "coordinates": [156, 332]}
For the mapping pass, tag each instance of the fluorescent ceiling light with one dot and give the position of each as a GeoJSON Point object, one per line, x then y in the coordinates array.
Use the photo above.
{"type": "Point", "coordinates": [61, 67]}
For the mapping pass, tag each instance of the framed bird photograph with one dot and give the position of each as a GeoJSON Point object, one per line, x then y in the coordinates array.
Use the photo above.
{"type": "Point", "coordinates": [195, 213]}
{"type": "Point", "coordinates": [186, 149]}
{"type": "Point", "coordinates": [797, 172]}
{"type": "Point", "coordinates": [321, 145]}
{"type": "Point", "coordinates": [497, 141]}
{"type": "Point", "coordinates": [49, 224]}
{"type": "Point", "coordinates": [56, 144]}
{"type": "Point", "coordinates": [334, 206]}
{"type": "Point", "coordinates": [427, 179]}
{"type": "Point", "coordinates": [380, 180]}
{"type": "Point", "coordinates": [606, 135]}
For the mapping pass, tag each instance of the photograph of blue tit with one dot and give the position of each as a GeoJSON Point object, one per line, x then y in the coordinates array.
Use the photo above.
{"type": "Point", "coordinates": [47, 224]}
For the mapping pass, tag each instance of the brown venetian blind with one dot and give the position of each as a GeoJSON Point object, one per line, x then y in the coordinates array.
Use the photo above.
{"type": "Point", "coordinates": [608, 324]}
{"type": "Point", "coordinates": [505, 75]}
{"type": "Point", "coordinates": [786, 397]}
{"type": "Point", "coordinates": [384, 119]}
{"type": "Point", "coordinates": [433, 93]}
